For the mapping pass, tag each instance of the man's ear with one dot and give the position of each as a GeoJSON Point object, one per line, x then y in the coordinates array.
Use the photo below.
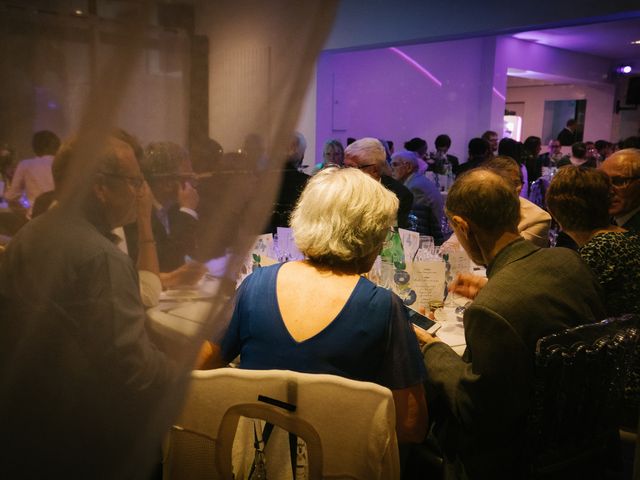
{"type": "Point", "coordinates": [461, 224]}
{"type": "Point", "coordinates": [100, 190]}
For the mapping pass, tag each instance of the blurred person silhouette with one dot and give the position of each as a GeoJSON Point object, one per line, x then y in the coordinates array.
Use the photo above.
{"type": "Point", "coordinates": [355, 328]}
{"type": "Point", "coordinates": [532, 159]}
{"type": "Point", "coordinates": [420, 148]}
{"type": "Point", "coordinates": [292, 183]}
{"type": "Point", "coordinates": [369, 156]}
{"type": "Point", "coordinates": [578, 157]}
{"type": "Point", "coordinates": [492, 139]}
{"type": "Point", "coordinates": [78, 366]}
{"type": "Point", "coordinates": [333, 153]}
{"type": "Point", "coordinates": [33, 175]}
{"type": "Point", "coordinates": [167, 169]}
{"type": "Point", "coordinates": [567, 136]}
{"type": "Point", "coordinates": [553, 155]}
{"type": "Point", "coordinates": [443, 144]}
{"type": "Point", "coordinates": [478, 152]}
{"type": "Point", "coordinates": [514, 149]}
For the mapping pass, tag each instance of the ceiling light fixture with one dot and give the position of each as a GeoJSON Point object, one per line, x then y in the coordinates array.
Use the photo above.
{"type": "Point", "coordinates": [635, 42]}
{"type": "Point", "coordinates": [624, 69]}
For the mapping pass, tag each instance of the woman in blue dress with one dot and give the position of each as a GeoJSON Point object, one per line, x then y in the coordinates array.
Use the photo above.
{"type": "Point", "coordinates": [320, 315]}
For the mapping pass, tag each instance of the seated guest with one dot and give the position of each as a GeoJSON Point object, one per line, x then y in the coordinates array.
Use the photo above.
{"type": "Point", "coordinates": [532, 159]}
{"type": "Point", "coordinates": [80, 377]}
{"type": "Point", "coordinates": [491, 138]}
{"type": "Point", "coordinates": [369, 156]}
{"type": "Point", "coordinates": [604, 149]}
{"type": "Point", "coordinates": [354, 329]}
{"type": "Point", "coordinates": [443, 144]}
{"type": "Point", "coordinates": [623, 167]}
{"type": "Point", "coordinates": [478, 153]}
{"type": "Point", "coordinates": [333, 153]}
{"type": "Point", "coordinates": [33, 175]}
{"type": "Point", "coordinates": [534, 221]}
{"type": "Point", "coordinates": [419, 146]}
{"type": "Point", "coordinates": [578, 157]}
{"type": "Point", "coordinates": [553, 155]}
{"type": "Point", "coordinates": [167, 169]}
{"type": "Point", "coordinates": [293, 182]}
{"type": "Point", "coordinates": [514, 149]}
{"type": "Point", "coordinates": [427, 200]}
{"type": "Point", "coordinates": [578, 199]}
{"type": "Point", "coordinates": [479, 403]}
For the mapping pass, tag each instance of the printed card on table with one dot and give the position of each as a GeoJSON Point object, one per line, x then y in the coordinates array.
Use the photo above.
{"type": "Point", "coordinates": [410, 243]}
{"type": "Point", "coordinates": [262, 251]}
{"type": "Point", "coordinates": [428, 281]}
{"type": "Point", "coordinates": [286, 246]}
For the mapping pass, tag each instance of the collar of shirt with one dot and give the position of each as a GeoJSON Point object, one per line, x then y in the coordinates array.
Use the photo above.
{"type": "Point", "coordinates": [622, 219]}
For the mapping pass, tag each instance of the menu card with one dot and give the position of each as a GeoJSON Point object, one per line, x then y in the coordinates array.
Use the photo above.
{"type": "Point", "coordinates": [428, 281]}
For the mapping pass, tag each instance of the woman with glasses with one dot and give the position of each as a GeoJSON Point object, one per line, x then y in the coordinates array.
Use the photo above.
{"type": "Point", "coordinates": [320, 315]}
{"type": "Point", "coordinates": [579, 200]}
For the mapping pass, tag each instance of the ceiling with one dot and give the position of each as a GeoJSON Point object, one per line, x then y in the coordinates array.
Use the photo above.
{"type": "Point", "coordinates": [611, 40]}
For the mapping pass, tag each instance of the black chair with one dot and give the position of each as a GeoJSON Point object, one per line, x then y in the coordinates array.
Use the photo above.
{"type": "Point", "coordinates": [581, 375]}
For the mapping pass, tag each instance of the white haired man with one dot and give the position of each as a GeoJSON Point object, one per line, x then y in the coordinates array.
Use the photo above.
{"type": "Point", "coordinates": [369, 155]}
{"type": "Point", "coordinates": [427, 201]}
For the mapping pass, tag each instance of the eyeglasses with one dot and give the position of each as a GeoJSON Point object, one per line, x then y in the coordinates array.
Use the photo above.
{"type": "Point", "coordinates": [135, 182]}
{"type": "Point", "coordinates": [360, 167]}
{"type": "Point", "coordinates": [623, 181]}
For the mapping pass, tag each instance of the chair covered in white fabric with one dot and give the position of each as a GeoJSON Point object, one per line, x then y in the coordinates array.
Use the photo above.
{"type": "Point", "coordinates": [348, 426]}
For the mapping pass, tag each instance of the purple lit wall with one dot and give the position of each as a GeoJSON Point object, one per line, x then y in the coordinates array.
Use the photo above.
{"type": "Point", "coordinates": [408, 91]}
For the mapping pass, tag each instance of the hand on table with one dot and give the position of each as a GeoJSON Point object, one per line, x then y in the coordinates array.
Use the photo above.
{"type": "Point", "coordinates": [467, 285]}
{"type": "Point", "coordinates": [188, 274]}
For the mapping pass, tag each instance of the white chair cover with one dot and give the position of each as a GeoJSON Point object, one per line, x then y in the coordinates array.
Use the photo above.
{"type": "Point", "coordinates": [348, 426]}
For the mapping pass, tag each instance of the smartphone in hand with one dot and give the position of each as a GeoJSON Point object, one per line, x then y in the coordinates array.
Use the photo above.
{"type": "Point", "coordinates": [423, 322]}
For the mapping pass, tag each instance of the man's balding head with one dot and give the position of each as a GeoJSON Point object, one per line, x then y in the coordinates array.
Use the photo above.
{"type": "Point", "coordinates": [486, 200]}
{"type": "Point", "coordinates": [623, 167]}
{"type": "Point", "coordinates": [367, 154]}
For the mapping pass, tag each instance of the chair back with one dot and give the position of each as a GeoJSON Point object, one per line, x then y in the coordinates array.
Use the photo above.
{"type": "Point", "coordinates": [580, 377]}
{"type": "Point", "coordinates": [348, 426]}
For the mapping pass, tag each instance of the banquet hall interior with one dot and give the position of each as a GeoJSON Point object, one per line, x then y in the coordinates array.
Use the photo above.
{"type": "Point", "coordinates": [231, 80]}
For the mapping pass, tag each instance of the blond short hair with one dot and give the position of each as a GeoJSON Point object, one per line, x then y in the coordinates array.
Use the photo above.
{"type": "Point", "coordinates": [342, 217]}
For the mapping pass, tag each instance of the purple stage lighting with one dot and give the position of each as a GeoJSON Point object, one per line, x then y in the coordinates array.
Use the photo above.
{"type": "Point", "coordinates": [624, 69]}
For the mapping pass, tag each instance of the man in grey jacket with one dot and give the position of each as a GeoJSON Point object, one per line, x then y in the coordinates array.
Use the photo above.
{"type": "Point", "coordinates": [479, 402]}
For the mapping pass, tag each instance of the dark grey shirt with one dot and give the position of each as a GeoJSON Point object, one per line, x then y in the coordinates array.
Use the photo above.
{"type": "Point", "coordinates": [78, 373]}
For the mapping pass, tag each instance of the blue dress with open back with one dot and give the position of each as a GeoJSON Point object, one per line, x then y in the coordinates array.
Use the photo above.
{"type": "Point", "coordinates": [369, 340]}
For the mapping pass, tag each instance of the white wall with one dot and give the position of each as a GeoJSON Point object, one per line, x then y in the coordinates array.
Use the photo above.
{"type": "Point", "coordinates": [598, 117]}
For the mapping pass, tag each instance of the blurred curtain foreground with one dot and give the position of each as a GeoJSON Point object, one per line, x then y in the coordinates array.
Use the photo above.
{"type": "Point", "coordinates": [86, 68]}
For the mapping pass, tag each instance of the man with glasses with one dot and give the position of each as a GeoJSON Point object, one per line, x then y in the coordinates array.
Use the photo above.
{"type": "Point", "coordinates": [427, 201]}
{"type": "Point", "coordinates": [369, 155]}
{"type": "Point", "coordinates": [623, 167]}
{"type": "Point", "coordinates": [550, 158]}
{"type": "Point", "coordinates": [79, 371]}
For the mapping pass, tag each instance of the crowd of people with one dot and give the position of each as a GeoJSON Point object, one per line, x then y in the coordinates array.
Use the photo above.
{"type": "Point", "coordinates": [77, 274]}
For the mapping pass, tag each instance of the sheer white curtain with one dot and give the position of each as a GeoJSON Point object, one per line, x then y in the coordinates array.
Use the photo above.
{"type": "Point", "coordinates": [82, 74]}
